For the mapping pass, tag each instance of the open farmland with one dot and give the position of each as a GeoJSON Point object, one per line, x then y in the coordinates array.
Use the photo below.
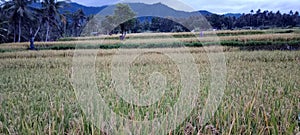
{"type": "Point", "coordinates": [262, 94]}
{"type": "Point", "coordinates": [242, 39]}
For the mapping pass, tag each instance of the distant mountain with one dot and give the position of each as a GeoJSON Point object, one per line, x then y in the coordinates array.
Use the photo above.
{"type": "Point", "coordinates": [73, 7]}
{"type": "Point", "coordinates": [204, 12]}
{"type": "Point", "coordinates": [157, 9]}
{"type": "Point", "coordinates": [237, 15]}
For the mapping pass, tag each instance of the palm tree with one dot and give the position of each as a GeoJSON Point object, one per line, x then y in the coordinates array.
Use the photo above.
{"type": "Point", "coordinates": [18, 12]}
{"type": "Point", "coordinates": [34, 29]}
{"type": "Point", "coordinates": [78, 21]}
{"type": "Point", "coordinates": [3, 24]}
{"type": "Point", "coordinates": [51, 15]}
{"type": "Point", "coordinates": [3, 30]}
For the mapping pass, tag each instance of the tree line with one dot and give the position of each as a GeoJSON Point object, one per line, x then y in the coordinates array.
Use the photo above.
{"type": "Point", "coordinates": [258, 20]}
{"type": "Point", "coordinates": [20, 21]}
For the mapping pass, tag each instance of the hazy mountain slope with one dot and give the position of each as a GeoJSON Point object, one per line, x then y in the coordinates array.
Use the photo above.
{"type": "Point", "coordinates": [141, 9]}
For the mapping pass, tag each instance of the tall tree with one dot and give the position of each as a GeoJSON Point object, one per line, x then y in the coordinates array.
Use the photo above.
{"type": "Point", "coordinates": [3, 31]}
{"type": "Point", "coordinates": [18, 12]}
{"type": "Point", "coordinates": [3, 25]}
{"type": "Point", "coordinates": [51, 15]}
{"type": "Point", "coordinates": [123, 17]}
{"type": "Point", "coordinates": [34, 29]}
{"type": "Point", "coordinates": [78, 19]}
{"type": "Point", "coordinates": [297, 18]}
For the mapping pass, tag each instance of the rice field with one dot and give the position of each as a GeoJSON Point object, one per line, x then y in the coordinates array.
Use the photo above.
{"type": "Point", "coordinates": [262, 93]}
{"type": "Point", "coordinates": [159, 40]}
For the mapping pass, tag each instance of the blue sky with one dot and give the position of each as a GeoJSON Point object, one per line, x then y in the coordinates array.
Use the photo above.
{"type": "Point", "coordinates": [216, 6]}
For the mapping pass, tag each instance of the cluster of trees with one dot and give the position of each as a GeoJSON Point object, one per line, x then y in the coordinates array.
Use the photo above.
{"type": "Point", "coordinates": [122, 19]}
{"type": "Point", "coordinates": [21, 21]}
{"type": "Point", "coordinates": [258, 20]}
{"type": "Point", "coordinates": [142, 24]}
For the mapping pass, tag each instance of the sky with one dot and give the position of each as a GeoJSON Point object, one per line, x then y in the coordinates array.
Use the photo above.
{"type": "Point", "coordinates": [215, 6]}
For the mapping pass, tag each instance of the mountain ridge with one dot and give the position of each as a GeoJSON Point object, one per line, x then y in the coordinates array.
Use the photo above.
{"type": "Point", "coordinates": [141, 9]}
{"type": "Point", "coordinates": [159, 8]}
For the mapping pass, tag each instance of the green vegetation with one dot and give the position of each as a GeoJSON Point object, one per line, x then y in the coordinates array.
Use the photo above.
{"type": "Point", "coordinates": [50, 20]}
{"type": "Point", "coordinates": [280, 39]}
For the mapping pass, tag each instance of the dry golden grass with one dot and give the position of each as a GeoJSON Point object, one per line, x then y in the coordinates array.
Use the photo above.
{"type": "Point", "coordinates": [158, 40]}
{"type": "Point", "coordinates": [261, 97]}
{"type": "Point", "coordinates": [108, 52]}
{"type": "Point", "coordinates": [209, 33]}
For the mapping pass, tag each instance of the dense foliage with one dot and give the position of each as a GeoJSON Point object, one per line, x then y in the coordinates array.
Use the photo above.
{"type": "Point", "coordinates": [21, 21]}
{"type": "Point", "coordinates": [263, 20]}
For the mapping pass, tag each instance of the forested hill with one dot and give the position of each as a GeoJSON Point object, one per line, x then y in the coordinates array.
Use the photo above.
{"type": "Point", "coordinates": [73, 7]}
{"type": "Point", "coordinates": [158, 9]}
